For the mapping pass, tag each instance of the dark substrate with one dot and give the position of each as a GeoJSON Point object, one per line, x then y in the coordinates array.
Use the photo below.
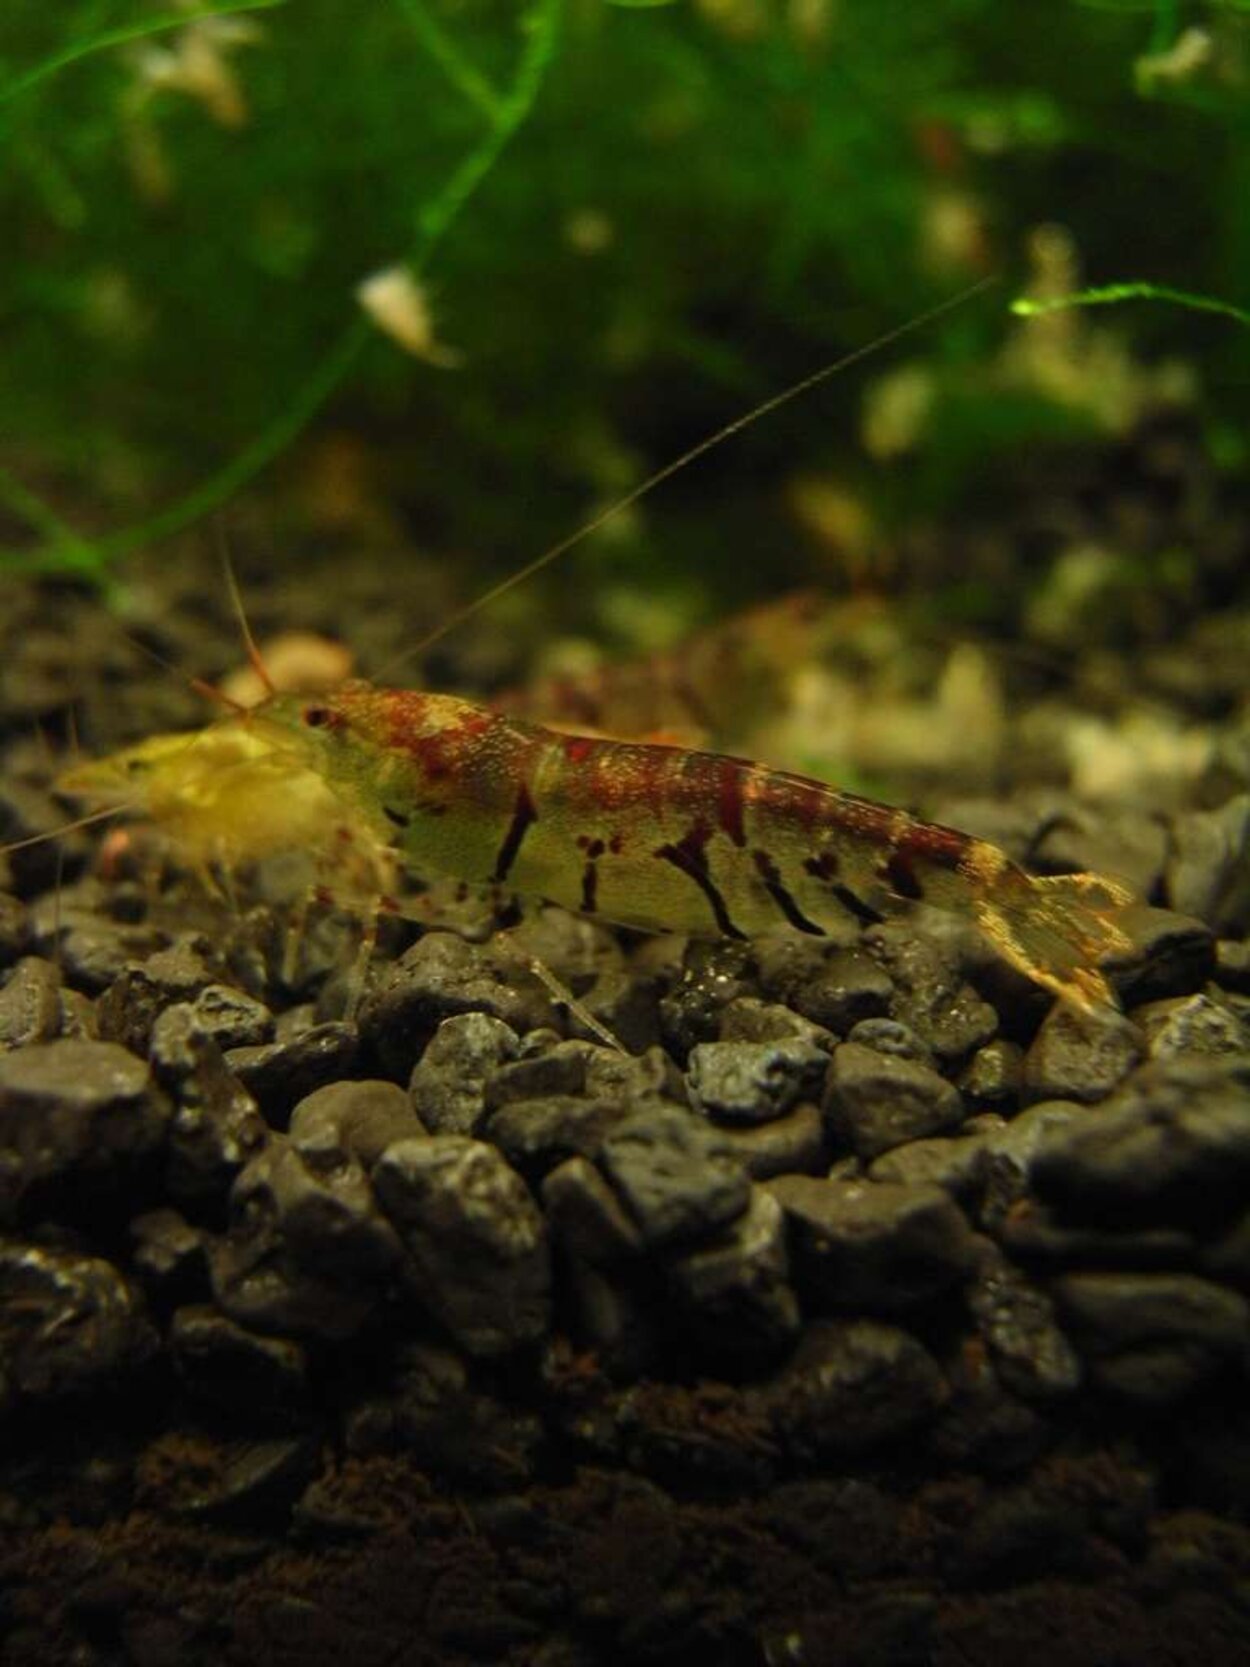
{"type": "Point", "coordinates": [874, 1313]}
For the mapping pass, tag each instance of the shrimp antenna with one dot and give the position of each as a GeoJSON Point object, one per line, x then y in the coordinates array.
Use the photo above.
{"type": "Point", "coordinates": [765, 408]}
{"type": "Point", "coordinates": [245, 629]}
{"type": "Point", "coordinates": [199, 685]}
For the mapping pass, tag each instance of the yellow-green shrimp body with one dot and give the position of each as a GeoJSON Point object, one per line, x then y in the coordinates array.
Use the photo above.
{"type": "Point", "coordinates": [233, 793]}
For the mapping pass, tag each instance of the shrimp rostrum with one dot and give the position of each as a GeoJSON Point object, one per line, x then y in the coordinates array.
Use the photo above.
{"type": "Point", "coordinates": [649, 836]}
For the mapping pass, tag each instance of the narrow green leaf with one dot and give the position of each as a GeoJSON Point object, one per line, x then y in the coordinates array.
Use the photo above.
{"type": "Point", "coordinates": [1109, 294]}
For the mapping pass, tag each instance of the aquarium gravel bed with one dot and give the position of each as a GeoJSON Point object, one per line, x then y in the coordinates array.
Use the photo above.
{"type": "Point", "coordinates": [871, 1309]}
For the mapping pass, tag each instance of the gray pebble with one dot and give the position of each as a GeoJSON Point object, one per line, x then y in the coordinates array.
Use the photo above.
{"type": "Point", "coordinates": [791, 1145]}
{"type": "Point", "coordinates": [587, 1217]}
{"type": "Point", "coordinates": [1004, 1168]}
{"type": "Point", "coordinates": [560, 1069]}
{"type": "Point", "coordinates": [280, 1074]}
{"type": "Point", "coordinates": [676, 1176]}
{"type": "Point", "coordinates": [30, 1004]}
{"type": "Point", "coordinates": [216, 1127]}
{"type": "Point", "coordinates": [713, 974]}
{"type": "Point", "coordinates": [893, 1037]}
{"type": "Point", "coordinates": [849, 988]}
{"type": "Point", "coordinates": [930, 995]}
{"type": "Point", "coordinates": [748, 1019]}
{"type": "Point", "coordinates": [1168, 954]}
{"type": "Point", "coordinates": [754, 1082]}
{"type": "Point", "coordinates": [536, 1135]}
{"type": "Point", "coordinates": [952, 1162]}
{"type": "Point", "coordinates": [626, 1004]}
{"type": "Point", "coordinates": [875, 1248]}
{"type": "Point", "coordinates": [475, 1242]}
{"type": "Point", "coordinates": [1081, 1054]}
{"type": "Point", "coordinates": [169, 1255]}
{"type": "Point", "coordinates": [574, 947]}
{"type": "Point", "coordinates": [222, 1363]}
{"type": "Point", "coordinates": [1196, 1024]}
{"type": "Point", "coordinates": [94, 954]}
{"type": "Point", "coordinates": [733, 1294]}
{"type": "Point", "coordinates": [1172, 1148]}
{"type": "Point", "coordinates": [1153, 1337]}
{"type": "Point", "coordinates": [231, 1017]}
{"type": "Point", "coordinates": [130, 1006]}
{"type": "Point", "coordinates": [305, 1254]}
{"type": "Point", "coordinates": [1209, 871]}
{"type": "Point", "coordinates": [1016, 1321]}
{"type": "Point", "coordinates": [448, 1083]}
{"type": "Point", "coordinates": [347, 1121]}
{"type": "Point", "coordinates": [1033, 1235]}
{"type": "Point", "coordinates": [69, 1324]}
{"type": "Point", "coordinates": [77, 1022]}
{"type": "Point", "coordinates": [619, 1318]}
{"type": "Point", "coordinates": [876, 1101]}
{"type": "Point", "coordinates": [853, 1385]}
{"type": "Point", "coordinates": [994, 1075]}
{"type": "Point", "coordinates": [642, 1077]}
{"type": "Point", "coordinates": [439, 978]}
{"type": "Point", "coordinates": [74, 1110]}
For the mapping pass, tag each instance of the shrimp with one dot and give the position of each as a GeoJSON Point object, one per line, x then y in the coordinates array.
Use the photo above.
{"type": "Point", "coordinates": [645, 835]}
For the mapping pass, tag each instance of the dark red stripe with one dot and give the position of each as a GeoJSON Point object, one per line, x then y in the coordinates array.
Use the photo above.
{"type": "Point", "coordinates": [523, 815]}
{"type": "Point", "coordinates": [900, 876]}
{"type": "Point", "coordinates": [823, 867]}
{"type": "Point", "coordinates": [590, 886]}
{"type": "Point", "coordinates": [776, 888]}
{"type": "Point", "coordinates": [855, 905]}
{"type": "Point", "coordinates": [729, 801]}
{"type": "Point", "coordinates": [690, 856]}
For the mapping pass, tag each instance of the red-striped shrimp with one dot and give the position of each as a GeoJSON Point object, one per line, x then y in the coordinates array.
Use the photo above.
{"type": "Point", "coordinates": [650, 836]}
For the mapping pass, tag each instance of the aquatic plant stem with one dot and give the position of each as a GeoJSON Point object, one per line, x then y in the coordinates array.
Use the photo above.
{"type": "Point", "coordinates": [123, 35]}
{"type": "Point", "coordinates": [462, 74]}
{"type": "Point", "coordinates": [1110, 294]}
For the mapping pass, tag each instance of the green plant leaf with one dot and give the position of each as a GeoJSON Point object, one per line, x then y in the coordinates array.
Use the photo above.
{"type": "Point", "coordinates": [1109, 294]}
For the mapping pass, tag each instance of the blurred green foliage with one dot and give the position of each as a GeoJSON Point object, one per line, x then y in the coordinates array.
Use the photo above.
{"type": "Point", "coordinates": [630, 227]}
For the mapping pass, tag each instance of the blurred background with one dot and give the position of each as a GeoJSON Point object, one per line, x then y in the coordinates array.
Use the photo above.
{"type": "Point", "coordinates": [417, 286]}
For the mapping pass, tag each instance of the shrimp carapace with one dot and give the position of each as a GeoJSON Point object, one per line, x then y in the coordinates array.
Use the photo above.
{"type": "Point", "coordinates": [667, 839]}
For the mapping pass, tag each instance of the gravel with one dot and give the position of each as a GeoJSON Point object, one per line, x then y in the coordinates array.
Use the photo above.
{"type": "Point", "coordinates": [949, 1281]}
{"type": "Point", "coordinates": [876, 1101]}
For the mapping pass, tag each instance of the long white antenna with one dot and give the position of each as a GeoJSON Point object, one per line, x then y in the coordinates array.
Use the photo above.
{"type": "Point", "coordinates": [754, 415]}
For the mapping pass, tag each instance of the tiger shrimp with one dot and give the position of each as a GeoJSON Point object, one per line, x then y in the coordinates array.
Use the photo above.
{"type": "Point", "coordinates": [651, 836]}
